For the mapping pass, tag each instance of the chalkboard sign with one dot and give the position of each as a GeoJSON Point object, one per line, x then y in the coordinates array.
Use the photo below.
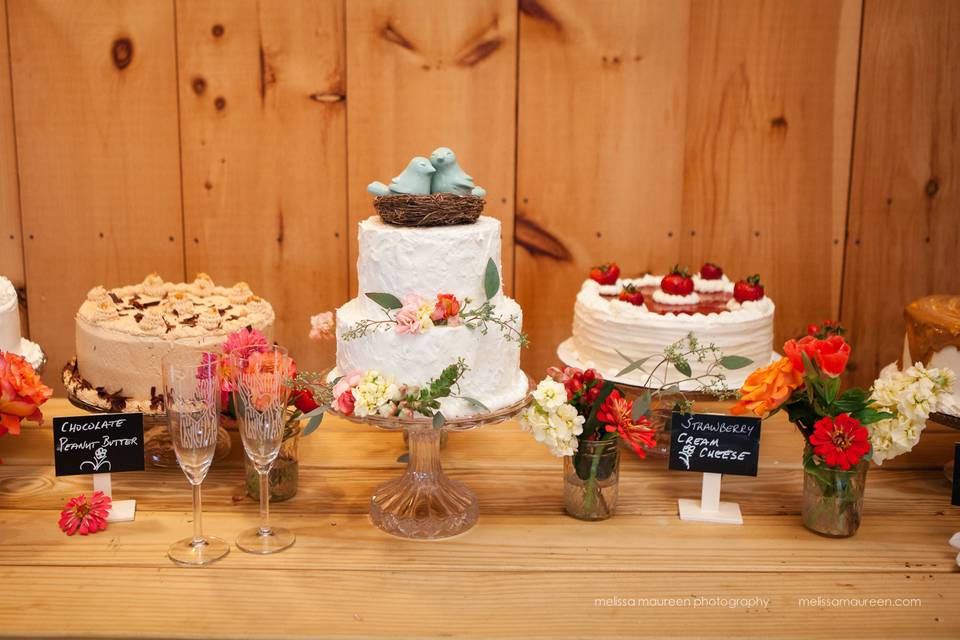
{"type": "Point", "coordinates": [714, 444]}
{"type": "Point", "coordinates": [956, 475]}
{"type": "Point", "coordinates": [99, 443]}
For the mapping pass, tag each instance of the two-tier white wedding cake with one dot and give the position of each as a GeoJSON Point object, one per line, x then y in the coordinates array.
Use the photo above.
{"type": "Point", "coordinates": [427, 265]}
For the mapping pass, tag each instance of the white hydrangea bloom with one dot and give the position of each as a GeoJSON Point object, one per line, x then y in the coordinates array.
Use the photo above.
{"type": "Point", "coordinates": [373, 392]}
{"type": "Point", "coordinates": [911, 395]}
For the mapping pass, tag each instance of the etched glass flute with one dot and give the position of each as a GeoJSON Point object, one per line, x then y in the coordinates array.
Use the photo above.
{"type": "Point", "coordinates": [191, 394]}
{"type": "Point", "coordinates": [259, 378]}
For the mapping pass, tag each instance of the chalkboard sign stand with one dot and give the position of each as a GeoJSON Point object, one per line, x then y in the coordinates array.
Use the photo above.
{"type": "Point", "coordinates": [709, 508]}
{"type": "Point", "coordinates": [120, 510]}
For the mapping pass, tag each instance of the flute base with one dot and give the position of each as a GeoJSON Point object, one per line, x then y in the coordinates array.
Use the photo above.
{"type": "Point", "coordinates": [263, 542]}
{"type": "Point", "coordinates": [207, 551]}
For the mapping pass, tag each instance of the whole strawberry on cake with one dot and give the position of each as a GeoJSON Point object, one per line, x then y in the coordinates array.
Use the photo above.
{"type": "Point", "coordinates": [620, 318]}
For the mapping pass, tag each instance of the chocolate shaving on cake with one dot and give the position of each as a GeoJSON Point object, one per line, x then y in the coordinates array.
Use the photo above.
{"type": "Point", "coordinates": [189, 322]}
{"type": "Point", "coordinates": [117, 401]}
{"type": "Point", "coordinates": [138, 317]}
{"type": "Point", "coordinates": [116, 299]}
{"type": "Point", "coordinates": [147, 305]}
{"type": "Point", "coordinates": [170, 327]}
{"type": "Point", "coordinates": [135, 303]}
{"type": "Point", "coordinates": [223, 311]}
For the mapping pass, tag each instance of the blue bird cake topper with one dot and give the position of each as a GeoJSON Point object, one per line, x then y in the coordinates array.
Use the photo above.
{"type": "Point", "coordinates": [440, 174]}
{"type": "Point", "coordinates": [430, 192]}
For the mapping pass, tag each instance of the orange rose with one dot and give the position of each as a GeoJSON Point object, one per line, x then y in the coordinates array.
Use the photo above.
{"type": "Point", "coordinates": [767, 388]}
{"type": "Point", "coordinates": [21, 393]}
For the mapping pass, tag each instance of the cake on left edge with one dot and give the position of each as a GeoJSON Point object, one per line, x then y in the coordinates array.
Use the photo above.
{"type": "Point", "coordinates": [10, 338]}
{"type": "Point", "coordinates": [122, 333]}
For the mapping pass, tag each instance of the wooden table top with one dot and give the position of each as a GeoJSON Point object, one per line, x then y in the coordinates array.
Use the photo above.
{"type": "Point", "coordinates": [526, 570]}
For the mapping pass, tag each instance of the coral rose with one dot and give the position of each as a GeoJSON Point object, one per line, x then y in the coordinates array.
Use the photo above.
{"type": "Point", "coordinates": [447, 309]}
{"type": "Point", "coordinates": [767, 388]}
{"type": "Point", "coordinates": [830, 355]}
{"type": "Point", "coordinates": [21, 393]}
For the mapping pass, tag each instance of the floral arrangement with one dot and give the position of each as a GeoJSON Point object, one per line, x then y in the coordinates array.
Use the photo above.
{"type": "Point", "coordinates": [370, 393]}
{"type": "Point", "coordinates": [85, 516]}
{"type": "Point", "coordinates": [22, 393]}
{"type": "Point", "coordinates": [415, 314]}
{"type": "Point", "coordinates": [806, 383]}
{"type": "Point", "coordinates": [910, 396]}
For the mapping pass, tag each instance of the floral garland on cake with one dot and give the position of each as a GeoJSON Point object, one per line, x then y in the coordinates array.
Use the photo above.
{"type": "Point", "coordinates": [415, 314]}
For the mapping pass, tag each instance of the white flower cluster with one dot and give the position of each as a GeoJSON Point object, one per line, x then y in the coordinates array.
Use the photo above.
{"type": "Point", "coordinates": [375, 394]}
{"type": "Point", "coordinates": [911, 395]}
{"type": "Point", "coordinates": [551, 420]}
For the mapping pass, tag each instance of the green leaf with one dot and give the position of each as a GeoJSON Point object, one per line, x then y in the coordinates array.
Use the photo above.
{"type": "Point", "coordinates": [809, 369]}
{"type": "Point", "coordinates": [869, 415]}
{"type": "Point", "coordinates": [312, 425]}
{"type": "Point", "coordinates": [319, 411]}
{"type": "Point", "coordinates": [476, 403]}
{"type": "Point", "coordinates": [641, 406]}
{"type": "Point", "coordinates": [735, 362]}
{"type": "Point", "coordinates": [438, 420]}
{"type": "Point", "coordinates": [491, 279]}
{"type": "Point", "coordinates": [683, 367]}
{"type": "Point", "coordinates": [386, 300]}
{"type": "Point", "coordinates": [634, 364]}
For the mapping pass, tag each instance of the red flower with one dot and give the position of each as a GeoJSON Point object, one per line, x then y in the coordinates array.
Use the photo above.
{"type": "Point", "coordinates": [447, 308]}
{"type": "Point", "coordinates": [841, 441]}
{"type": "Point", "coordinates": [346, 403]}
{"type": "Point", "coordinates": [614, 414]}
{"type": "Point", "coordinates": [303, 400]}
{"type": "Point", "coordinates": [21, 393]}
{"type": "Point", "coordinates": [830, 355]}
{"type": "Point", "coordinates": [85, 516]}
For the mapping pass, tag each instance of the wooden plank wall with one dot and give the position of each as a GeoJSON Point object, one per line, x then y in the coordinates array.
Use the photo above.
{"type": "Point", "coordinates": [236, 138]}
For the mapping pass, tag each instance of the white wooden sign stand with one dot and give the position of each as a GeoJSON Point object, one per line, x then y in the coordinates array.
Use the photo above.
{"type": "Point", "coordinates": [120, 510]}
{"type": "Point", "coordinates": [709, 508]}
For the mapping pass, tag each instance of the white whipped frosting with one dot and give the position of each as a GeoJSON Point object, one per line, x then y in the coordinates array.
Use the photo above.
{"type": "Point", "coordinates": [722, 284]}
{"type": "Point", "coordinates": [9, 317]}
{"type": "Point", "coordinates": [663, 297]}
{"type": "Point", "coordinates": [646, 280]}
{"type": "Point", "coordinates": [601, 327]}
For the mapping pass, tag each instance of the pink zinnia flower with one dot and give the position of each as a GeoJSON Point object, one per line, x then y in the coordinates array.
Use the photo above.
{"type": "Point", "coordinates": [408, 318]}
{"type": "Point", "coordinates": [247, 337]}
{"type": "Point", "coordinates": [322, 326]}
{"type": "Point", "coordinates": [85, 516]}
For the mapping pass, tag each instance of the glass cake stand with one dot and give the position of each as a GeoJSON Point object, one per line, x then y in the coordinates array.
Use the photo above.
{"type": "Point", "coordinates": [423, 503]}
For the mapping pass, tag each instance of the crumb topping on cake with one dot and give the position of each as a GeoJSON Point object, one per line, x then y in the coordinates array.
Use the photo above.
{"type": "Point", "coordinates": [175, 310]}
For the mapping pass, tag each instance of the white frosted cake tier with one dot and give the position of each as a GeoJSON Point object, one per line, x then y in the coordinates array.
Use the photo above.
{"type": "Point", "coordinates": [10, 338]}
{"type": "Point", "coordinates": [123, 333]}
{"type": "Point", "coordinates": [426, 260]}
{"type": "Point", "coordinates": [494, 376]}
{"type": "Point", "coordinates": [603, 326]}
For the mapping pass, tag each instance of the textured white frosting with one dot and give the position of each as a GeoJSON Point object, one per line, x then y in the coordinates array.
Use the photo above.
{"type": "Point", "coordinates": [494, 378]}
{"type": "Point", "coordinates": [601, 327]}
{"type": "Point", "coordinates": [9, 317]}
{"type": "Point", "coordinates": [119, 345]}
{"type": "Point", "coordinates": [720, 285]}
{"type": "Point", "coordinates": [426, 260]}
{"type": "Point", "coordinates": [946, 358]}
{"type": "Point", "coordinates": [663, 297]}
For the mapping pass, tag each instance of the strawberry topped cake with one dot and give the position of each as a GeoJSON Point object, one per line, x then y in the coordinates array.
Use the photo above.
{"type": "Point", "coordinates": [640, 317]}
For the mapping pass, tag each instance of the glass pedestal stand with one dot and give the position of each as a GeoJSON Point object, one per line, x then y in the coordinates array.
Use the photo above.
{"type": "Point", "coordinates": [423, 503]}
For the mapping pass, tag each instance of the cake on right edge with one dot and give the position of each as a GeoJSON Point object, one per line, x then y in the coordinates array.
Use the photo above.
{"type": "Point", "coordinates": [640, 317]}
{"type": "Point", "coordinates": [933, 338]}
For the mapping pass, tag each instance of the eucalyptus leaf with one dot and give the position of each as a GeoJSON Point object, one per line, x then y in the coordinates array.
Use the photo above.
{"type": "Point", "coordinates": [312, 425]}
{"type": "Point", "coordinates": [319, 411]}
{"type": "Point", "coordinates": [641, 406]}
{"type": "Point", "coordinates": [683, 367]}
{"type": "Point", "coordinates": [491, 279]}
{"type": "Point", "coordinates": [438, 420]}
{"type": "Point", "coordinates": [386, 300]}
{"type": "Point", "coordinates": [735, 362]}
{"type": "Point", "coordinates": [476, 403]}
{"type": "Point", "coordinates": [634, 364]}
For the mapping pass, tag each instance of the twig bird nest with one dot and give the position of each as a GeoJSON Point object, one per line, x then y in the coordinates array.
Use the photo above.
{"type": "Point", "coordinates": [434, 210]}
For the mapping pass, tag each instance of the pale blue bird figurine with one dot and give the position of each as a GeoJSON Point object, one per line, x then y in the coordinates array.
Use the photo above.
{"type": "Point", "coordinates": [450, 178]}
{"type": "Point", "coordinates": [414, 181]}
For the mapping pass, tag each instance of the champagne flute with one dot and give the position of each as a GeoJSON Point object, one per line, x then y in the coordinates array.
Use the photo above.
{"type": "Point", "coordinates": [259, 378]}
{"type": "Point", "coordinates": [191, 393]}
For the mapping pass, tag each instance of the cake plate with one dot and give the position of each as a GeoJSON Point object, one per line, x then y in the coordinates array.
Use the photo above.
{"type": "Point", "coordinates": [423, 503]}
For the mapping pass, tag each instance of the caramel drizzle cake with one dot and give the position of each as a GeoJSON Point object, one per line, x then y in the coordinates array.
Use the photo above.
{"type": "Point", "coordinates": [933, 338]}
{"type": "Point", "coordinates": [122, 333]}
